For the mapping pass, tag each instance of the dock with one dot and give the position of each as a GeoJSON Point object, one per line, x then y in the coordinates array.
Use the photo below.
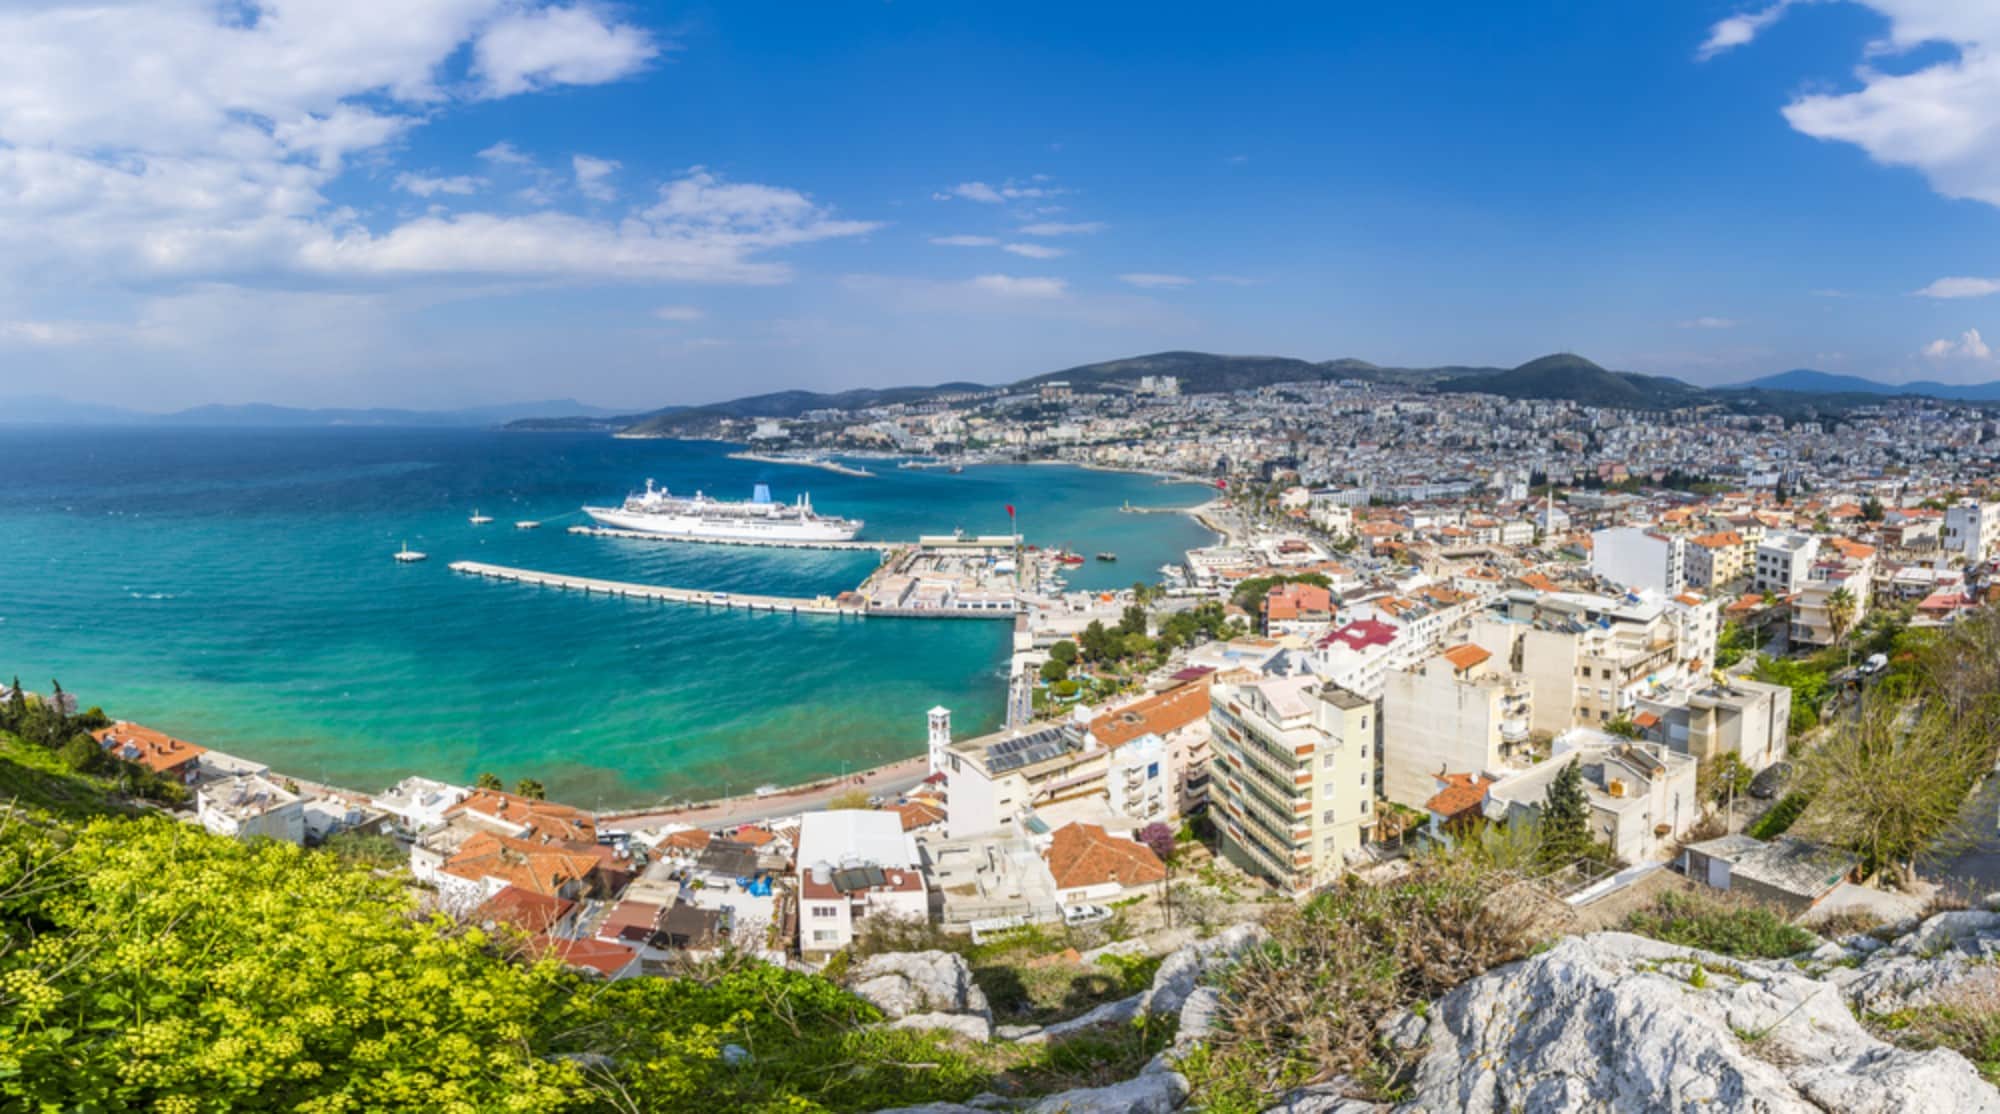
{"type": "Point", "coordinates": [884, 548]}
{"type": "Point", "coordinates": [786, 605]}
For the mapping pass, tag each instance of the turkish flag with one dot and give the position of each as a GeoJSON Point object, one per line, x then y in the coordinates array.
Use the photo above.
{"type": "Point", "coordinates": [1010, 510]}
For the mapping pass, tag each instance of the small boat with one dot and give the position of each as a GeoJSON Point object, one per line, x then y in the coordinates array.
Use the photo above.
{"type": "Point", "coordinates": [1107, 556]}
{"type": "Point", "coordinates": [527, 524]}
{"type": "Point", "coordinates": [409, 556]}
{"type": "Point", "coordinates": [478, 519]}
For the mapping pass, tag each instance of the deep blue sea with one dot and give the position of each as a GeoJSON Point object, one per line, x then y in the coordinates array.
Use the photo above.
{"type": "Point", "coordinates": [237, 588]}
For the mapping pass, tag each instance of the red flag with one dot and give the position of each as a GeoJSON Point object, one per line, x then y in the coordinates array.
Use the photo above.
{"type": "Point", "coordinates": [1222, 485]}
{"type": "Point", "coordinates": [1010, 510]}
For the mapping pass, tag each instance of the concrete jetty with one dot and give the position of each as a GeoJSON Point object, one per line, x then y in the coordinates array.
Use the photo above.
{"type": "Point", "coordinates": [824, 605]}
{"type": "Point", "coordinates": [756, 543]}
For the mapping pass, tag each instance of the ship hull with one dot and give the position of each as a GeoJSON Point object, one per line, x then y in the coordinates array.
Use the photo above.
{"type": "Point", "coordinates": [698, 528]}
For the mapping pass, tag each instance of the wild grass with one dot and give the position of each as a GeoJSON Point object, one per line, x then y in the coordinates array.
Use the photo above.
{"type": "Point", "coordinates": [1727, 926]}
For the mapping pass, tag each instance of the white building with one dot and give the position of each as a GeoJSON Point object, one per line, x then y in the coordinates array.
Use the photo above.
{"type": "Point", "coordinates": [1640, 559]}
{"type": "Point", "coordinates": [1642, 795]}
{"type": "Point", "coordinates": [854, 863]}
{"type": "Point", "coordinates": [1972, 529]}
{"type": "Point", "coordinates": [247, 807]}
{"type": "Point", "coordinates": [418, 803]}
{"type": "Point", "coordinates": [1457, 714]}
{"type": "Point", "coordinates": [1783, 562]}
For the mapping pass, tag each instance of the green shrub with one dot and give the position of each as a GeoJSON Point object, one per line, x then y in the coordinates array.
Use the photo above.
{"type": "Point", "coordinates": [1779, 818]}
{"type": "Point", "coordinates": [1726, 926]}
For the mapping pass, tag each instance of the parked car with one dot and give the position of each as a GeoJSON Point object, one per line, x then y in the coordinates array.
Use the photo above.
{"type": "Point", "coordinates": [1085, 914]}
{"type": "Point", "coordinates": [1770, 779]}
{"type": "Point", "coordinates": [1876, 663]}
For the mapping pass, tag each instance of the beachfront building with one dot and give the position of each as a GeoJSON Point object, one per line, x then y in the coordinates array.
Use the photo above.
{"type": "Point", "coordinates": [1301, 609]}
{"type": "Point", "coordinates": [492, 839]}
{"type": "Point", "coordinates": [1295, 776]}
{"type": "Point", "coordinates": [175, 760]}
{"type": "Point", "coordinates": [251, 807]}
{"type": "Point", "coordinates": [1458, 712]}
{"type": "Point", "coordinates": [854, 864]}
{"type": "Point", "coordinates": [1178, 717]}
{"type": "Point", "coordinates": [419, 804]}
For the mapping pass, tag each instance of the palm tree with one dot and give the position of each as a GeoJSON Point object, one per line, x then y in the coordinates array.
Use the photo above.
{"type": "Point", "coordinates": [1840, 613]}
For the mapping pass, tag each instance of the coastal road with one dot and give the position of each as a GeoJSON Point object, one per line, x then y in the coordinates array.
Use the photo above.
{"type": "Point", "coordinates": [888, 781]}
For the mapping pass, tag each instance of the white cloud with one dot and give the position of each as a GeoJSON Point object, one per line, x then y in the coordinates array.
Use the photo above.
{"type": "Point", "coordinates": [1009, 286]}
{"type": "Point", "coordinates": [1969, 346]}
{"type": "Point", "coordinates": [1961, 288]}
{"type": "Point", "coordinates": [504, 153]}
{"type": "Point", "coordinates": [1706, 323]}
{"type": "Point", "coordinates": [680, 313]}
{"type": "Point", "coordinates": [424, 185]}
{"type": "Point", "coordinates": [46, 334]}
{"type": "Point", "coordinates": [1941, 118]}
{"type": "Point", "coordinates": [1153, 281]}
{"type": "Point", "coordinates": [1235, 280]}
{"type": "Point", "coordinates": [1740, 29]}
{"type": "Point", "coordinates": [536, 48]}
{"type": "Point", "coordinates": [1034, 251]}
{"type": "Point", "coordinates": [210, 155]}
{"type": "Point", "coordinates": [1009, 190]}
{"type": "Point", "coordinates": [965, 241]}
{"type": "Point", "coordinates": [591, 177]}
{"type": "Point", "coordinates": [1055, 228]}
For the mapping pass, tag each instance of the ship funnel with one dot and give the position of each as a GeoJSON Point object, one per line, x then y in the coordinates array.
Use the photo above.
{"type": "Point", "coordinates": [761, 493]}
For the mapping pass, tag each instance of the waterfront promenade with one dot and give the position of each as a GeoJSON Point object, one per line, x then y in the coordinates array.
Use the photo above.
{"type": "Point", "coordinates": [887, 781]}
{"type": "Point", "coordinates": [884, 548]}
{"type": "Point", "coordinates": [823, 605]}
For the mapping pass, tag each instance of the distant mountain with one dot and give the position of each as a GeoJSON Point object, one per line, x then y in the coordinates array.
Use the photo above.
{"type": "Point", "coordinates": [1199, 373]}
{"type": "Point", "coordinates": [265, 416]}
{"type": "Point", "coordinates": [1571, 378]}
{"type": "Point", "coordinates": [1808, 381]}
{"type": "Point", "coordinates": [49, 410]}
{"type": "Point", "coordinates": [778, 404]}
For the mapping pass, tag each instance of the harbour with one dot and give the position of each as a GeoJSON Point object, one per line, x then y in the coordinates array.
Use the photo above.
{"type": "Point", "coordinates": [588, 585]}
{"type": "Point", "coordinates": [755, 543]}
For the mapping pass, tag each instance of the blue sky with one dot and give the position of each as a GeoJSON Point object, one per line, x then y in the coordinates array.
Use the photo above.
{"type": "Point", "coordinates": [440, 202]}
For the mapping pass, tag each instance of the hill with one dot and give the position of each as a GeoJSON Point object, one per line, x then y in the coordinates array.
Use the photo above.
{"type": "Point", "coordinates": [1808, 381]}
{"type": "Point", "coordinates": [783, 404]}
{"type": "Point", "coordinates": [1199, 372]}
{"type": "Point", "coordinates": [1571, 378]}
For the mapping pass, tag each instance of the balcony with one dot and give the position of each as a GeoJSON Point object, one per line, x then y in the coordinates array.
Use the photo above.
{"type": "Point", "coordinates": [1514, 730]}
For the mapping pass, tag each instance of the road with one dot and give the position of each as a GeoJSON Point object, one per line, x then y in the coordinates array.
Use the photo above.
{"type": "Point", "coordinates": [888, 781]}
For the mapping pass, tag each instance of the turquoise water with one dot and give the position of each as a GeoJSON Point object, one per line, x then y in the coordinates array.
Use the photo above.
{"type": "Point", "coordinates": [236, 588]}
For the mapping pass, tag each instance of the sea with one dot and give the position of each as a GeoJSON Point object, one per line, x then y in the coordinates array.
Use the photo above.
{"type": "Point", "coordinates": [237, 588]}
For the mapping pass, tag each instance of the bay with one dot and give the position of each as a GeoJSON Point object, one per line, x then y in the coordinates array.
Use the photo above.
{"type": "Point", "coordinates": [236, 587]}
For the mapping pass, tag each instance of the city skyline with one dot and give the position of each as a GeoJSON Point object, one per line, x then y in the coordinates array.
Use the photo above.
{"type": "Point", "coordinates": [470, 201]}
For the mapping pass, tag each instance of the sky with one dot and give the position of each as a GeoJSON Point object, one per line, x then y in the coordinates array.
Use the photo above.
{"type": "Point", "coordinates": [454, 202]}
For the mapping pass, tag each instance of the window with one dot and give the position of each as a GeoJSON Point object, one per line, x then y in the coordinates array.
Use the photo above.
{"type": "Point", "coordinates": [1329, 790]}
{"type": "Point", "coordinates": [1364, 806]}
{"type": "Point", "coordinates": [826, 911]}
{"type": "Point", "coordinates": [1364, 778]}
{"type": "Point", "coordinates": [1326, 817]}
{"type": "Point", "coordinates": [825, 936]}
{"type": "Point", "coordinates": [1364, 723]}
{"type": "Point", "coordinates": [1326, 761]}
{"type": "Point", "coordinates": [1153, 770]}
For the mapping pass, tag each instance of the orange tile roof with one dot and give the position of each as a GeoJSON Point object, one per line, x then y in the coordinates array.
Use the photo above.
{"type": "Point", "coordinates": [688, 839]}
{"type": "Point", "coordinates": [155, 750]}
{"type": "Point", "coordinates": [605, 958]}
{"type": "Point", "coordinates": [1085, 855]}
{"type": "Point", "coordinates": [1159, 714]}
{"type": "Point", "coordinates": [755, 837]}
{"type": "Point", "coordinates": [1850, 548]}
{"type": "Point", "coordinates": [1465, 655]}
{"type": "Point", "coordinates": [918, 814]}
{"type": "Point", "coordinates": [536, 867]}
{"type": "Point", "coordinates": [1461, 793]}
{"type": "Point", "coordinates": [544, 819]}
{"type": "Point", "coordinates": [1540, 583]}
{"type": "Point", "coordinates": [529, 912]}
{"type": "Point", "coordinates": [1726, 539]}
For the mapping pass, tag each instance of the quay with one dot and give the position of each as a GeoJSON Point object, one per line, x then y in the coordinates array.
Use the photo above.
{"type": "Point", "coordinates": [804, 462]}
{"type": "Point", "coordinates": [787, 605]}
{"type": "Point", "coordinates": [884, 548]}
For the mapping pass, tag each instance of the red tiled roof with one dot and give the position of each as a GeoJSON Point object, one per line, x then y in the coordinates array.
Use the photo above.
{"type": "Point", "coordinates": [541, 868]}
{"type": "Point", "coordinates": [155, 750]}
{"type": "Point", "coordinates": [1159, 714]}
{"type": "Point", "coordinates": [605, 958]}
{"type": "Point", "coordinates": [918, 814]}
{"type": "Point", "coordinates": [1085, 855]}
{"type": "Point", "coordinates": [1465, 655]}
{"type": "Point", "coordinates": [1461, 793]}
{"type": "Point", "coordinates": [529, 912]}
{"type": "Point", "coordinates": [543, 819]}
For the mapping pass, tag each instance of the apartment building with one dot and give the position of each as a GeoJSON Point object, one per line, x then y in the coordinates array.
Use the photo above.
{"type": "Point", "coordinates": [252, 806]}
{"type": "Point", "coordinates": [1972, 530]}
{"type": "Point", "coordinates": [1458, 712]}
{"type": "Point", "coordinates": [1640, 559]}
{"type": "Point", "coordinates": [854, 864]}
{"type": "Point", "coordinates": [1783, 562]}
{"type": "Point", "coordinates": [1718, 558]}
{"type": "Point", "coordinates": [1839, 586]}
{"type": "Point", "coordinates": [1706, 717]}
{"type": "Point", "coordinates": [1294, 778]}
{"type": "Point", "coordinates": [1590, 657]}
{"type": "Point", "coordinates": [1355, 656]}
{"type": "Point", "coordinates": [1642, 796]}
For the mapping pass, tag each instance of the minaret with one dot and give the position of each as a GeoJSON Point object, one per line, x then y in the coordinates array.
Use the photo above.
{"type": "Point", "coordinates": [940, 737]}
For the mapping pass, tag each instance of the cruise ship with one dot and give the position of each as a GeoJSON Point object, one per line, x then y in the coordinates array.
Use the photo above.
{"type": "Point", "coordinates": [654, 511]}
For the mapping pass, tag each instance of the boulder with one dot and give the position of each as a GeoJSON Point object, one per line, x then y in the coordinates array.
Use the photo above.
{"type": "Point", "coordinates": [1911, 969]}
{"type": "Point", "coordinates": [1324, 1098]}
{"type": "Point", "coordinates": [1180, 972]}
{"type": "Point", "coordinates": [1153, 1092]}
{"type": "Point", "coordinates": [1617, 1022]}
{"type": "Point", "coordinates": [971, 1026]}
{"type": "Point", "coordinates": [904, 983]}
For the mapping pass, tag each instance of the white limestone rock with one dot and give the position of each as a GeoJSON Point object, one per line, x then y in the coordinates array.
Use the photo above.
{"type": "Point", "coordinates": [1153, 1092]}
{"type": "Point", "coordinates": [1912, 969]}
{"type": "Point", "coordinates": [904, 983]}
{"type": "Point", "coordinates": [1182, 971]}
{"type": "Point", "coordinates": [970, 1026]}
{"type": "Point", "coordinates": [1612, 1022]}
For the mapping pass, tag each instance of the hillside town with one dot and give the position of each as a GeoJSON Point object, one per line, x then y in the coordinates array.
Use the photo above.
{"type": "Point", "coordinates": [1425, 617]}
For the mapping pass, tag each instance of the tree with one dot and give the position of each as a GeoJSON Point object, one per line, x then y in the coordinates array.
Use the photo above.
{"type": "Point", "coordinates": [17, 706]}
{"type": "Point", "coordinates": [1053, 671]}
{"type": "Point", "coordinates": [849, 799]}
{"type": "Point", "coordinates": [530, 788]}
{"type": "Point", "coordinates": [1159, 839]}
{"type": "Point", "coordinates": [1623, 727]}
{"type": "Point", "coordinates": [1133, 621]}
{"type": "Point", "coordinates": [1098, 643]}
{"type": "Point", "coordinates": [1886, 788]}
{"type": "Point", "coordinates": [1064, 652]}
{"type": "Point", "coordinates": [1565, 815]}
{"type": "Point", "coordinates": [1872, 510]}
{"type": "Point", "coordinates": [489, 781]}
{"type": "Point", "coordinates": [1839, 611]}
{"type": "Point", "coordinates": [1733, 646]}
{"type": "Point", "coordinates": [83, 755]}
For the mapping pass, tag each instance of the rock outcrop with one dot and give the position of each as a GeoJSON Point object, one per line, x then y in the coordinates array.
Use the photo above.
{"type": "Point", "coordinates": [904, 983]}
